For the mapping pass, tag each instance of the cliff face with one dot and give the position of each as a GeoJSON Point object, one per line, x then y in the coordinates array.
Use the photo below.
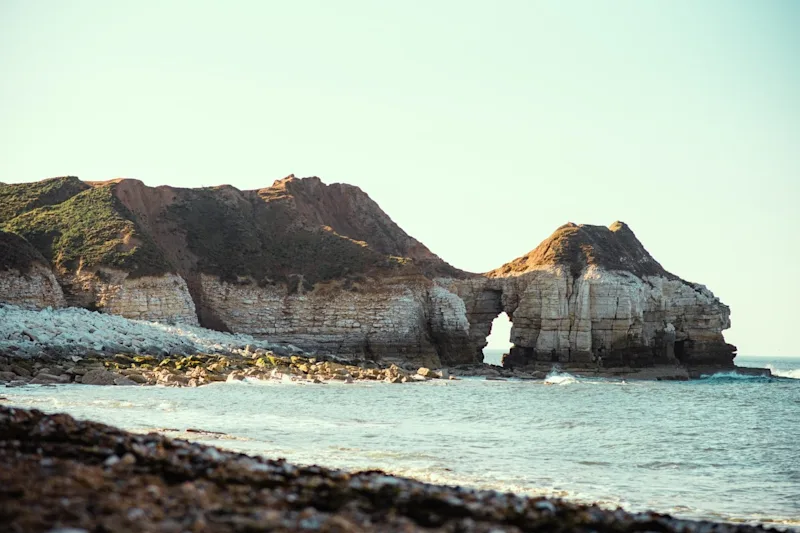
{"type": "Point", "coordinates": [25, 276]}
{"type": "Point", "coordinates": [592, 296]}
{"type": "Point", "coordinates": [324, 268]}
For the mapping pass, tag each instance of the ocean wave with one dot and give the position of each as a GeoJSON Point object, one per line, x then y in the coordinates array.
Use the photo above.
{"type": "Point", "coordinates": [733, 375]}
{"type": "Point", "coordinates": [556, 377]}
{"type": "Point", "coordinates": [791, 374]}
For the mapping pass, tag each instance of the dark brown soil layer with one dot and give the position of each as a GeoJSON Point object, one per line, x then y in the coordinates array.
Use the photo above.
{"type": "Point", "coordinates": [62, 473]}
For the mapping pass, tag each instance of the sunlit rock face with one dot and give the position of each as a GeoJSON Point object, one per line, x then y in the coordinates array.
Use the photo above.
{"type": "Point", "coordinates": [25, 276]}
{"type": "Point", "coordinates": [159, 298]}
{"type": "Point", "coordinates": [35, 288]}
{"type": "Point", "coordinates": [323, 267]}
{"type": "Point", "coordinates": [384, 320]}
{"type": "Point", "coordinates": [593, 295]}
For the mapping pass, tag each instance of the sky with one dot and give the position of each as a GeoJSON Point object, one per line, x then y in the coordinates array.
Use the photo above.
{"type": "Point", "coordinates": [479, 127]}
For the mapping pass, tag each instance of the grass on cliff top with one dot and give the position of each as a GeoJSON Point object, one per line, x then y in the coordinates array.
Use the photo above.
{"type": "Point", "coordinates": [18, 198]}
{"type": "Point", "coordinates": [267, 241]}
{"type": "Point", "coordinates": [578, 246]}
{"type": "Point", "coordinates": [90, 229]}
{"type": "Point", "coordinates": [17, 253]}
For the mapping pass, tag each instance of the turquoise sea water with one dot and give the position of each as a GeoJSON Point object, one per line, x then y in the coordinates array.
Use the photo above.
{"type": "Point", "coordinates": [722, 448]}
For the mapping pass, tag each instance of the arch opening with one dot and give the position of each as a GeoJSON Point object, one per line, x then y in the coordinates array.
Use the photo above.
{"type": "Point", "coordinates": [498, 342]}
{"type": "Point", "coordinates": [680, 351]}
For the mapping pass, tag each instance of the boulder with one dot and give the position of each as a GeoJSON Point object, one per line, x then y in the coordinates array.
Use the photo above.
{"type": "Point", "coordinates": [21, 371]}
{"type": "Point", "coordinates": [43, 378]}
{"type": "Point", "coordinates": [100, 377]}
{"type": "Point", "coordinates": [136, 378]}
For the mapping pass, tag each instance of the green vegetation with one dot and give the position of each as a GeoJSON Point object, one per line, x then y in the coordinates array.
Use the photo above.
{"type": "Point", "coordinates": [267, 235]}
{"type": "Point", "coordinates": [267, 241]}
{"type": "Point", "coordinates": [90, 229]}
{"type": "Point", "coordinates": [22, 197]}
{"type": "Point", "coordinates": [578, 246]}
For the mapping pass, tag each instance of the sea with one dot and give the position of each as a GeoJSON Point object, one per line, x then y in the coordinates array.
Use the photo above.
{"type": "Point", "coordinates": [723, 448]}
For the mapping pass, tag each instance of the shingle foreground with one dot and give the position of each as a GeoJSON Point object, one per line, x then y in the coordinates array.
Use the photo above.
{"type": "Point", "coordinates": [61, 473]}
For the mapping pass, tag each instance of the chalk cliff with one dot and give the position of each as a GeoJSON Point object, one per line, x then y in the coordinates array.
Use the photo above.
{"type": "Point", "coordinates": [590, 295]}
{"type": "Point", "coordinates": [323, 267]}
{"type": "Point", "coordinates": [25, 276]}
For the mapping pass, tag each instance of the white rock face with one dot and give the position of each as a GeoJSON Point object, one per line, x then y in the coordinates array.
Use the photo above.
{"type": "Point", "coordinates": [154, 298]}
{"type": "Point", "coordinates": [35, 289]}
{"type": "Point", "coordinates": [613, 317]}
{"type": "Point", "coordinates": [162, 298]}
{"type": "Point", "coordinates": [386, 319]}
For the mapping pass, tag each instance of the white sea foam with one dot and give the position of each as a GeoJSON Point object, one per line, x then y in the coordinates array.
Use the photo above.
{"type": "Point", "coordinates": [556, 377]}
{"type": "Point", "coordinates": [732, 375]}
{"type": "Point", "coordinates": [791, 374]}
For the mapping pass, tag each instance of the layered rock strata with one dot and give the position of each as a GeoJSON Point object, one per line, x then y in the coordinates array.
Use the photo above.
{"type": "Point", "coordinates": [160, 298]}
{"type": "Point", "coordinates": [323, 267]}
{"type": "Point", "coordinates": [26, 279]}
{"type": "Point", "coordinates": [62, 474]}
{"type": "Point", "coordinates": [591, 295]}
{"type": "Point", "coordinates": [393, 319]}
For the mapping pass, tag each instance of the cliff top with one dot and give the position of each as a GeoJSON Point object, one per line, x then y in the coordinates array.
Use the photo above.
{"type": "Point", "coordinates": [19, 198]}
{"type": "Point", "coordinates": [577, 246]}
{"type": "Point", "coordinates": [296, 229]}
{"type": "Point", "coordinates": [74, 225]}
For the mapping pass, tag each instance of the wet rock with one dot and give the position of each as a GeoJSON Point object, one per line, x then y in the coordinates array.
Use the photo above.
{"type": "Point", "coordinates": [43, 378]}
{"type": "Point", "coordinates": [100, 377]}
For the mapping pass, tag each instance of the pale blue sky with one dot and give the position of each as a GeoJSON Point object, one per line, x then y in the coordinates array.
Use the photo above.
{"type": "Point", "coordinates": [479, 127]}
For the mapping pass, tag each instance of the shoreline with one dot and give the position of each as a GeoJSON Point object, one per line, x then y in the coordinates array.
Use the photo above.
{"type": "Point", "coordinates": [62, 472]}
{"type": "Point", "coordinates": [202, 369]}
{"type": "Point", "coordinates": [78, 346]}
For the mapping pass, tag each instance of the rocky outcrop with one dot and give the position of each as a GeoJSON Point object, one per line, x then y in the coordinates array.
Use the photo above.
{"type": "Point", "coordinates": [593, 296]}
{"type": "Point", "coordinates": [161, 298]}
{"type": "Point", "coordinates": [401, 319]}
{"type": "Point", "coordinates": [323, 267]}
{"type": "Point", "coordinates": [25, 277]}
